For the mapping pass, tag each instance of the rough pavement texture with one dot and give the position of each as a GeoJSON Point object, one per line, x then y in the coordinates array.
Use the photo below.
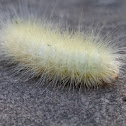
{"type": "Point", "coordinates": [26, 104]}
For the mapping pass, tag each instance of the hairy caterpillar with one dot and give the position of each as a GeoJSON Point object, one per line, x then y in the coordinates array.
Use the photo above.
{"type": "Point", "coordinates": [77, 58]}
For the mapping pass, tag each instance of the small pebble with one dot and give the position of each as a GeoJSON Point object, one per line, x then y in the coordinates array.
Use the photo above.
{"type": "Point", "coordinates": [124, 97]}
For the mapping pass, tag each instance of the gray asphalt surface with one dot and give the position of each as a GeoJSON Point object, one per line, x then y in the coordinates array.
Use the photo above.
{"type": "Point", "coordinates": [28, 104]}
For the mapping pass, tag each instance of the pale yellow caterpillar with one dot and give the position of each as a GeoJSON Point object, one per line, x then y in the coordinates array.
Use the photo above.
{"type": "Point", "coordinates": [79, 58]}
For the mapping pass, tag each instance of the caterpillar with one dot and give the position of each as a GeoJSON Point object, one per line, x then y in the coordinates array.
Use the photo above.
{"type": "Point", "coordinates": [78, 58]}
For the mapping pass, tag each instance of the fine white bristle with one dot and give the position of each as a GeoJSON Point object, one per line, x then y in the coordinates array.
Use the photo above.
{"type": "Point", "coordinates": [81, 58]}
